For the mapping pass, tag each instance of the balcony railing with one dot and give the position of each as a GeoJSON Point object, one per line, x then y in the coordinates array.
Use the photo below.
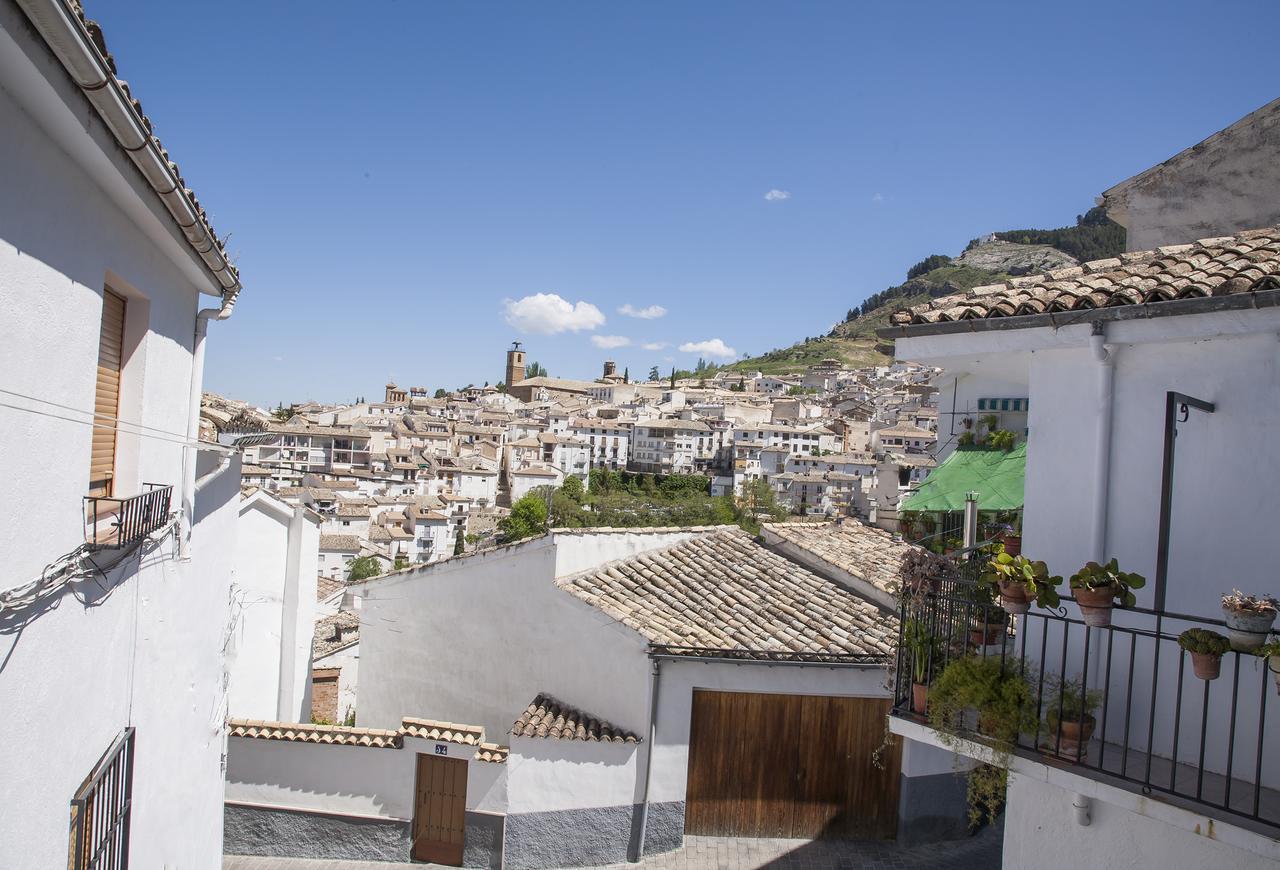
{"type": "Point", "coordinates": [111, 523]}
{"type": "Point", "coordinates": [1157, 726]}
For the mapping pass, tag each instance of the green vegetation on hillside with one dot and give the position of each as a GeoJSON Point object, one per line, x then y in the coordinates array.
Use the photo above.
{"type": "Point", "coordinates": [1094, 237]}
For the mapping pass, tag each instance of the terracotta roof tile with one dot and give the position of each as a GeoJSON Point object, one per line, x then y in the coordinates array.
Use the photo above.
{"type": "Point", "coordinates": [492, 753]}
{"type": "Point", "coordinates": [866, 552]}
{"type": "Point", "coordinates": [1224, 266]}
{"type": "Point", "coordinates": [722, 591]}
{"type": "Point", "coordinates": [547, 717]}
{"type": "Point", "coordinates": [447, 732]}
{"type": "Point", "coordinates": [297, 732]}
{"type": "Point", "coordinates": [334, 632]}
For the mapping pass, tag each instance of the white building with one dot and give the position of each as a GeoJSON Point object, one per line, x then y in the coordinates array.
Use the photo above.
{"type": "Point", "coordinates": [1112, 357]}
{"type": "Point", "coordinates": [109, 274]}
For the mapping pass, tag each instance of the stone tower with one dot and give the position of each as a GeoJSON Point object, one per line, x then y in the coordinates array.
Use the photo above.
{"type": "Point", "coordinates": [515, 365]}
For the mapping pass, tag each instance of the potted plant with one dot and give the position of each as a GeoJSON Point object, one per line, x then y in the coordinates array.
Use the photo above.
{"type": "Point", "coordinates": [1021, 581]}
{"type": "Point", "coordinates": [924, 647]}
{"type": "Point", "coordinates": [922, 571]}
{"type": "Point", "coordinates": [1012, 536]}
{"type": "Point", "coordinates": [1098, 587]}
{"type": "Point", "coordinates": [1070, 716]}
{"type": "Point", "coordinates": [1206, 648]}
{"type": "Point", "coordinates": [987, 620]}
{"type": "Point", "coordinates": [1270, 653]}
{"type": "Point", "coordinates": [994, 692]}
{"type": "Point", "coordinates": [1248, 619]}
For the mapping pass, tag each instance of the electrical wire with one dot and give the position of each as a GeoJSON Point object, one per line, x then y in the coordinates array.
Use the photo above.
{"type": "Point", "coordinates": [183, 441]}
{"type": "Point", "coordinates": [93, 414]}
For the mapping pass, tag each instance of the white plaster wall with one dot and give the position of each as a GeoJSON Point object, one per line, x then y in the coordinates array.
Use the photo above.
{"type": "Point", "coordinates": [546, 775]}
{"type": "Point", "coordinates": [142, 646]}
{"type": "Point", "coordinates": [253, 658]}
{"type": "Point", "coordinates": [576, 552]}
{"type": "Point", "coordinates": [476, 639]}
{"type": "Point", "coordinates": [1041, 833]}
{"type": "Point", "coordinates": [675, 704]}
{"type": "Point", "coordinates": [348, 780]}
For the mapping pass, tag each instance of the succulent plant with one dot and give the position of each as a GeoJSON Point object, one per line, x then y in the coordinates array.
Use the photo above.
{"type": "Point", "coordinates": [1242, 603]}
{"type": "Point", "coordinates": [1040, 584]}
{"type": "Point", "coordinates": [1203, 641]}
{"type": "Point", "coordinates": [1109, 576]}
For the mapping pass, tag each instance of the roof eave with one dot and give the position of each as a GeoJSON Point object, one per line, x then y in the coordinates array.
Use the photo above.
{"type": "Point", "coordinates": [1056, 320]}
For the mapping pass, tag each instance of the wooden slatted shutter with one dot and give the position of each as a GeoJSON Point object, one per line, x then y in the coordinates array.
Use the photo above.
{"type": "Point", "coordinates": [106, 400]}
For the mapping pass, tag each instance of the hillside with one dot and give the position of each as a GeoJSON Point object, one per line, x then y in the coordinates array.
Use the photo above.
{"type": "Point", "coordinates": [995, 257]}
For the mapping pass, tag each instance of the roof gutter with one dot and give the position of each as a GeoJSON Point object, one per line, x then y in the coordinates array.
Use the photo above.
{"type": "Point", "coordinates": [69, 39]}
{"type": "Point", "coordinates": [1057, 320]}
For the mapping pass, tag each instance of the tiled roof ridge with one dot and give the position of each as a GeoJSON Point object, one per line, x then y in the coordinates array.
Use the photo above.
{"type": "Point", "coordinates": [549, 717]}
{"type": "Point", "coordinates": [640, 530]}
{"type": "Point", "coordinates": [350, 735]}
{"type": "Point", "coordinates": [1190, 270]}
{"type": "Point", "coordinates": [492, 753]}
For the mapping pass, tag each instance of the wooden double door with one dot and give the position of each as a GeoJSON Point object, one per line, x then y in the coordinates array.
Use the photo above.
{"type": "Point", "coordinates": [439, 810]}
{"type": "Point", "coordinates": [767, 765]}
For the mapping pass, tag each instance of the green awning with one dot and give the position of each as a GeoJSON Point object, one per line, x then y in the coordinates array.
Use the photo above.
{"type": "Point", "coordinates": [997, 477]}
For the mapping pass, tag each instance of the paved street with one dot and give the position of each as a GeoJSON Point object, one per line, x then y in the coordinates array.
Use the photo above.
{"type": "Point", "coordinates": [722, 853]}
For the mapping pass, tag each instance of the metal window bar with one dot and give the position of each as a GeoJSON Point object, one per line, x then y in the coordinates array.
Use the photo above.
{"type": "Point", "coordinates": [112, 523]}
{"type": "Point", "coordinates": [100, 811]}
{"type": "Point", "coordinates": [1207, 759]}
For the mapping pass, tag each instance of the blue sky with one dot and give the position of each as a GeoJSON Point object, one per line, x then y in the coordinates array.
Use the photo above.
{"type": "Point", "coordinates": [399, 178]}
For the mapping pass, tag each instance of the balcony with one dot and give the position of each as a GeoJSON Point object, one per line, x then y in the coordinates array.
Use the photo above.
{"type": "Point", "coordinates": [1151, 725]}
{"type": "Point", "coordinates": [112, 523]}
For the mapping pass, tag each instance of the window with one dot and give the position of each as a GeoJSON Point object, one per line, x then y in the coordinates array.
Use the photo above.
{"type": "Point", "coordinates": [100, 810]}
{"type": "Point", "coordinates": [106, 399]}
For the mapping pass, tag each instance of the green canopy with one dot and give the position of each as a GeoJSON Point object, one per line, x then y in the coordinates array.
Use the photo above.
{"type": "Point", "coordinates": [996, 476]}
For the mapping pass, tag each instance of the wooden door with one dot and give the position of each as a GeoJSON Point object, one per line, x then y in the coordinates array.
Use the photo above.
{"type": "Point", "coordinates": [765, 765]}
{"type": "Point", "coordinates": [439, 810]}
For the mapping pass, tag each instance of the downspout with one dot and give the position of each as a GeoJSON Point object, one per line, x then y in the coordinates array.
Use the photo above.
{"type": "Point", "coordinates": [638, 848]}
{"type": "Point", "coordinates": [193, 416]}
{"type": "Point", "coordinates": [1102, 440]}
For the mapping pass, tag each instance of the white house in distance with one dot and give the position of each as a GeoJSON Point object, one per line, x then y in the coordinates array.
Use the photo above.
{"type": "Point", "coordinates": [1114, 357]}
{"type": "Point", "coordinates": [113, 629]}
{"type": "Point", "coordinates": [646, 683]}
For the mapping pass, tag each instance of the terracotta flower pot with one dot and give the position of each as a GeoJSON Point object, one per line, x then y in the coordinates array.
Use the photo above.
{"type": "Point", "coordinates": [1014, 597]}
{"type": "Point", "coordinates": [919, 697]}
{"type": "Point", "coordinates": [1071, 736]}
{"type": "Point", "coordinates": [985, 635]}
{"type": "Point", "coordinates": [1096, 605]}
{"type": "Point", "coordinates": [1206, 665]}
{"type": "Point", "coordinates": [1247, 630]}
{"type": "Point", "coordinates": [1012, 544]}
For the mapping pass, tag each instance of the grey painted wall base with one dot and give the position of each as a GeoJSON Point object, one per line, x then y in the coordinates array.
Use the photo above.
{"type": "Point", "coordinates": [294, 834]}
{"type": "Point", "coordinates": [932, 808]}
{"type": "Point", "coordinates": [588, 837]}
{"type": "Point", "coordinates": [297, 834]}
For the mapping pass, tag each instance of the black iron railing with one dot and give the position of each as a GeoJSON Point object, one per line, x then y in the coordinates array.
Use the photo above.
{"type": "Point", "coordinates": [100, 811]}
{"type": "Point", "coordinates": [111, 523]}
{"type": "Point", "coordinates": [1155, 725]}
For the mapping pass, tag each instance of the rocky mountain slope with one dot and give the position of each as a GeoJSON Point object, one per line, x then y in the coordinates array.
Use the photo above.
{"type": "Point", "coordinates": [986, 260]}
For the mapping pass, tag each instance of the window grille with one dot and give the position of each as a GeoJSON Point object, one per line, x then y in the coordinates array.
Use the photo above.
{"type": "Point", "coordinates": [100, 811]}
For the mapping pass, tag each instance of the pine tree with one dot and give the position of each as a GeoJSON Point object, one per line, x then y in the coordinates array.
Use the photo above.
{"type": "Point", "coordinates": [459, 545]}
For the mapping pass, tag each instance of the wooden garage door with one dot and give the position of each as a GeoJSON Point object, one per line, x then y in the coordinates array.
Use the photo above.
{"type": "Point", "coordinates": [789, 766]}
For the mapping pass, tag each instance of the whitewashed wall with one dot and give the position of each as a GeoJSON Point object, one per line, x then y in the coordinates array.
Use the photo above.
{"type": "Point", "coordinates": [348, 780]}
{"type": "Point", "coordinates": [546, 775]}
{"type": "Point", "coordinates": [142, 645]}
{"type": "Point", "coordinates": [476, 639]}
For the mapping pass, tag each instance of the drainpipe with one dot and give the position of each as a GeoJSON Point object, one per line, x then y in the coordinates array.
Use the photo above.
{"type": "Point", "coordinates": [654, 673]}
{"type": "Point", "coordinates": [193, 416]}
{"type": "Point", "coordinates": [1102, 452]}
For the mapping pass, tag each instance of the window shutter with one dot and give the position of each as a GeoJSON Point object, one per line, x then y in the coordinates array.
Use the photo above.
{"type": "Point", "coordinates": [106, 401]}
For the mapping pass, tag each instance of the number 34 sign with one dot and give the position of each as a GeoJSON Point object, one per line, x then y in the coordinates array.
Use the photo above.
{"type": "Point", "coordinates": [441, 749]}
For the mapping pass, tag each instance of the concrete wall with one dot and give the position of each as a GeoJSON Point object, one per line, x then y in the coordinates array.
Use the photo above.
{"type": "Point", "coordinates": [548, 775]}
{"type": "Point", "coordinates": [1041, 833]}
{"type": "Point", "coordinates": [141, 645]}
{"type": "Point", "coordinates": [1232, 183]}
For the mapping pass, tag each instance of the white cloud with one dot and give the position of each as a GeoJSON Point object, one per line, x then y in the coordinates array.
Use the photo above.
{"type": "Point", "coordinates": [651, 312]}
{"type": "Point", "coordinates": [776, 195]}
{"type": "Point", "coordinates": [654, 345]}
{"type": "Point", "coordinates": [877, 198]}
{"type": "Point", "coordinates": [547, 314]}
{"type": "Point", "coordinates": [712, 347]}
{"type": "Point", "coordinates": [607, 342]}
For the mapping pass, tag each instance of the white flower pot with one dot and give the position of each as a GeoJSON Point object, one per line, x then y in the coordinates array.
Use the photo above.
{"type": "Point", "coordinates": [1247, 631]}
